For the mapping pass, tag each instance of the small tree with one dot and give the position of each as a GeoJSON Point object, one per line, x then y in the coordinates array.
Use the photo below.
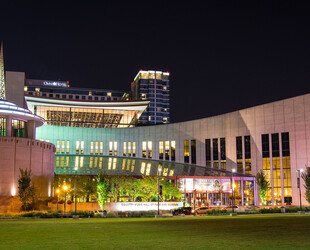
{"type": "Point", "coordinates": [26, 191]}
{"type": "Point", "coordinates": [306, 177]}
{"type": "Point", "coordinates": [102, 190]}
{"type": "Point", "coordinates": [263, 185]}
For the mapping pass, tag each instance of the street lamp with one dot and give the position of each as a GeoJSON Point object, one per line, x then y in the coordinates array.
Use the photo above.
{"type": "Point", "coordinates": [75, 201]}
{"type": "Point", "coordinates": [233, 190]}
{"type": "Point", "coordinates": [159, 170]}
{"type": "Point", "coordinates": [299, 186]}
{"type": "Point", "coordinates": [65, 188]}
{"type": "Point", "coordinates": [57, 192]}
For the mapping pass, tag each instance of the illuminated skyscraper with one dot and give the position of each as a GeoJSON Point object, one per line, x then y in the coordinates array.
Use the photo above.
{"type": "Point", "coordinates": [154, 86]}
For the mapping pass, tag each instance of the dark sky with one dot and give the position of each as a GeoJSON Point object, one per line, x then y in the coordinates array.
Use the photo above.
{"type": "Point", "coordinates": [221, 55]}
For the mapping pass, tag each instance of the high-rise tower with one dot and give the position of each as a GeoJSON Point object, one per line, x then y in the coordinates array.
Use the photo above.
{"type": "Point", "coordinates": [154, 86]}
{"type": "Point", "coordinates": [2, 81]}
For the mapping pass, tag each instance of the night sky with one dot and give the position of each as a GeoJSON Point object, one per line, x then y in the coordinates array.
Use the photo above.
{"type": "Point", "coordinates": [222, 55]}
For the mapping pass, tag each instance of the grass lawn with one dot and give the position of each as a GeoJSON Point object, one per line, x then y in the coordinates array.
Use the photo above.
{"type": "Point", "coordinates": [241, 232]}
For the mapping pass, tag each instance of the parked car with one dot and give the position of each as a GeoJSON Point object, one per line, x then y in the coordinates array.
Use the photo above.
{"type": "Point", "coordinates": [230, 207]}
{"type": "Point", "coordinates": [182, 210]}
{"type": "Point", "coordinates": [103, 213]}
{"type": "Point", "coordinates": [201, 210]}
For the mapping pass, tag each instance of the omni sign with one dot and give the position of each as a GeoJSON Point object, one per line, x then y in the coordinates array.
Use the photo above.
{"type": "Point", "coordinates": [58, 84]}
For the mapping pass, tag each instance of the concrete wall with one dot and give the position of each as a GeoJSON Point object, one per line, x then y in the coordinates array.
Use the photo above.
{"type": "Point", "coordinates": [16, 153]}
{"type": "Point", "coordinates": [14, 87]}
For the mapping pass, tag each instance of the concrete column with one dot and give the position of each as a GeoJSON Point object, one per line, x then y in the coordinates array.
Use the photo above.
{"type": "Point", "coordinates": [31, 129]}
{"type": "Point", "coordinates": [9, 126]}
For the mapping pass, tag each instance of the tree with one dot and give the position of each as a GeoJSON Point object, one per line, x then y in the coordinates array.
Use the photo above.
{"type": "Point", "coordinates": [26, 191]}
{"type": "Point", "coordinates": [306, 177]}
{"type": "Point", "coordinates": [263, 185]}
{"type": "Point", "coordinates": [102, 189]}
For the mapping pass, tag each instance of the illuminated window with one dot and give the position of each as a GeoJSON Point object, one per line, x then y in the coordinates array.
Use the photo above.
{"type": "Point", "coordinates": [91, 147]}
{"type": "Point", "coordinates": [109, 94]}
{"type": "Point", "coordinates": [149, 149]}
{"type": "Point", "coordinates": [101, 147]}
{"type": "Point", "coordinates": [96, 148]}
{"type": "Point", "coordinates": [57, 161]}
{"type": "Point", "coordinates": [148, 169]}
{"type": "Point", "coordinates": [167, 149]}
{"type": "Point", "coordinates": [90, 93]}
{"type": "Point", "coordinates": [37, 89]}
{"type": "Point", "coordinates": [68, 147]}
{"type": "Point", "coordinates": [96, 162]}
{"type": "Point", "coordinates": [134, 149]}
{"type": "Point", "coordinates": [82, 147]}
{"type": "Point", "coordinates": [91, 162]}
{"type": "Point", "coordinates": [129, 148]}
{"type": "Point", "coordinates": [100, 162]}
{"type": "Point", "coordinates": [114, 163]}
{"type": "Point", "coordinates": [150, 118]}
{"type": "Point", "coordinates": [62, 146]}
{"type": "Point", "coordinates": [110, 147]}
{"type": "Point", "coordinates": [25, 88]}
{"type": "Point", "coordinates": [124, 149]}
{"type": "Point", "coordinates": [172, 150]}
{"type": "Point", "coordinates": [76, 161]}
{"type": "Point", "coordinates": [77, 147]}
{"type": "Point", "coordinates": [67, 161]}
{"type": "Point", "coordinates": [115, 148]}
{"type": "Point", "coordinates": [142, 168]}
{"type": "Point", "coordinates": [144, 149]}
{"type": "Point", "coordinates": [57, 146]}
{"type": "Point", "coordinates": [2, 126]}
{"type": "Point", "coordinates": [124, 164]}
{"type": "Point", "coordinates": [164, 88]}
{"type": "Point", "coordinates": [186, 151]}
{"type": "Point", "coordinates": [161, 150]}
{"type": "Point", "coordinates": [81, 161]}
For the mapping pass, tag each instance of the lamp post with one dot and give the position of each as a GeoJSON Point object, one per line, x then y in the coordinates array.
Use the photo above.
{"type": "Point", "coordinates": [75, 201]}
{"type": "Point", "coordinates": [299, 186]}
{"type": "Point", "coordinates": [159, 170]}
{"type": "Point", "coordinates": [233, 190]}
{"type": "Point", "coordinates": [57, 192]}
{"type": "Point", "coordinates": [65, 188]}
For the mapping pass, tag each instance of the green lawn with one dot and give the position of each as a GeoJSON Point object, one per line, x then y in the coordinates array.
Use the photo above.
{"type": "Point", "coordinates": [241, 232]}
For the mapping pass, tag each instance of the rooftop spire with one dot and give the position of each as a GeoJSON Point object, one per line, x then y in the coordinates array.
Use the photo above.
{"type": "Point", "coordinates": [2, 81]}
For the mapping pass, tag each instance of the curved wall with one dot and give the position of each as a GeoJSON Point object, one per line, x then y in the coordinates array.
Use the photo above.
{"type": "Point", "coordinates": [16, 153]}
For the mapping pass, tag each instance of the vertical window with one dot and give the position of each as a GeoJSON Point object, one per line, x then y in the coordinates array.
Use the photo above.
{"type": "Point", "coordinates": [91, 162]}
{"type": "Point", "coordinates": [134, 149]}
{"type": "Point", "coordinates": [115, 148]}
{"type": "Point", "coordinates": [110, 147]}
{"type": "Point", "coordinates": [193, 151]}
{"type": "Point", "coordinates": [96, 148]}
{"type": "Point", "coordinates": [223, 153]}
{"type": "Point", "coordinates": [58, 146]}
{"type": "Point", "coordinates": [91, 147]}
{"type": "Point", "coordinates": [161, 150]}
{"type": "Point", "coordinates": [167, 149]}
{"type": "Point", "coordinates": [287, 186]}
{"type": "Point", "coordinates": [172, 150]}
{"type": "Point", "coordinates": [144, 149]}
{"type": "Point", "coordinates": [265, 146]}
{"type": "Point", "coordinates": [100, 162]}
{"type": "Point", "coordinates": [67, 161]}
{"type": "Point", "coordinates": [275, 145]}
{"type": "Point", "coordinates": [62, 146]}
{"type": "Point", "coordinates": [208, 152]}
{"type": "Point", "coordinates": [68, 147]}
{"type": "Point", "coordinates": [77, 147]}
{"type": "Point", "coordinates": [57, 161]}
{"type": "Point", "coordinates": [149, 149]}
{"type": "Point", "coordinates": [266, 160]}
{"type": "Point", "coordinates": [239, 154]}
{"type": "Point", "coordinates": [62, 161]}
{"type": "Point", "coordinates": [247, 154]}
{"type": "Point", "coordinates": [186, 151]}
{"type": "Point", "coordinates": [82, 147]}
{"type": "Point", "coordinates": [276, 174]}
{"type": "Point", "coordinates": [215, 153]}
{"type": "Point", "coordinates": [124, 148]}
{"type": "Point", "coordinates": [2, 126]}
{"type": "Point", "coordinates": [101, 147]}
{"type": "Point", "coordinates": [96, 162]}
{"type": "Point", "coordinates": [76, 161]}
{"type": "Point", "coordinates": [81, 161]}
{"type": "Point", "coordinates": [129, 148]}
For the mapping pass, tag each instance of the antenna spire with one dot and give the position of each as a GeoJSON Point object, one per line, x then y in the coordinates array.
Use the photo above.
{"type": "Point", "coordinates": [2, 80]}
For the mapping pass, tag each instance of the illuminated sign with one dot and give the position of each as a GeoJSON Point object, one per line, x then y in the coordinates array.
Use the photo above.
{"type": "Point", "coordinates": [141, 206]}
{"type": "Point", "coordinates": [57, 84]}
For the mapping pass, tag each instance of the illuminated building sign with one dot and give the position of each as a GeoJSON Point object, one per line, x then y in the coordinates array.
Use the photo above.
{"type": "Point", "coordinates": [56, 84]}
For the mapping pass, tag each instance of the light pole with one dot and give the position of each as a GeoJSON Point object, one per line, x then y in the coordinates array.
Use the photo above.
{"type": "Point", "coordinates": [57, 192]}
{"type": "Point", "coordinates": [159, 170]}
{"type": "Point", "coordinates": [65, 188]}
{"type": "Point", "coordinates": [299, 186]}
{"type": "Point", "coordinates": [233, 190]}
{"type": "Point", "coordinates": [75, 201]}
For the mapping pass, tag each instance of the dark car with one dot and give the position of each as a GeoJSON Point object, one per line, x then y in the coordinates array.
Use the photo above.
{"type": "Point", "coordinates": [182, 210]}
